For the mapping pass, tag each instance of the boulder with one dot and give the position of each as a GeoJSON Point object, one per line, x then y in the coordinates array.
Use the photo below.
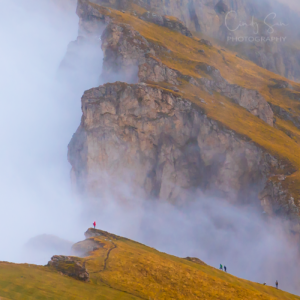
{"type": "Point", "coordinates": [70, 266]}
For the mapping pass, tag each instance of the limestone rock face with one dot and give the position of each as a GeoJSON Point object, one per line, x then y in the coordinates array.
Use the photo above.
{"type": "Point", "coordinates": [286, 115]}
{"type": "Point", "coordinates": [275, 201]}
{"type": "Point", "coordinates": [83, 61]}
{"type": "Point", "coordinates": [171, 23]}
{"type": "Point", "coordinates": [252, 100]}
{"type": "Point", "coordinates": [166, 145]}
{"type": "Point", "coordinates": [154, 70]}
{"type": "Point", "coordinates": [220, 18]}
{"type": "Point", "coordinates": [70, 266]}
{"type": "Point", "coordinates": [159, 143]}
{"type": "Point", "coordinates": [214, 17]}
{"type": "Point", "coordinates": [124, 50]}
{"type": "Point", "coordinates": [128, 55]}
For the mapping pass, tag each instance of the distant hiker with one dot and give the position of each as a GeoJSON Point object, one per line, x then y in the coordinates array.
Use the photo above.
{"type": "Point", "coordinates": [225, 269]}
{"type": "Point", "coordinates": [221, 267]}
{"type": "Point", "coordinates": [264, 283]}
{"type": "Point", "coordinates": [276, 284]}
{"type": "Point", "coordinates": [94, 224]}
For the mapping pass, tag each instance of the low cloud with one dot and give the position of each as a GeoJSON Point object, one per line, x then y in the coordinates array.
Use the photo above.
{"type": "Point", "coordinates": [250, 244]}
{"type": "Point", "coordinates": [38, 117]}
{"type": "Point", "coordinates": [293, 4]}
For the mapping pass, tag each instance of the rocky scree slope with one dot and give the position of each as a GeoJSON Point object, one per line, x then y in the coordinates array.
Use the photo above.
{"type": "Point", "coordinates": [181, 127]}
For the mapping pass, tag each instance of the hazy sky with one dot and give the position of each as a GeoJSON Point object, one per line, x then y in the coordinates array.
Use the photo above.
{"type": "Point", "coordinates": [38, 117]}
{"type": "Point", "coordinates": [294, 4]}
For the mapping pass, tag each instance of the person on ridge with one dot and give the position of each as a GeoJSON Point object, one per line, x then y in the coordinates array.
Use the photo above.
{"type": "Point", "coordinates": [225, 269]}
{"type": "Point", "coordinates": [94, 224]}
{"type": "Point", "coordinates": [221, 267]}
{"type": "Point", "coordinates": [276, 284]}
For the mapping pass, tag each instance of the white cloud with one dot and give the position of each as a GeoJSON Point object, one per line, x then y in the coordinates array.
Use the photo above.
{"type": "Point", "coordinates": [37, 119]}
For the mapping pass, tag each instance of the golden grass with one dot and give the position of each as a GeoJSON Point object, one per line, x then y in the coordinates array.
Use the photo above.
{"type": "Point", "coordinates": [124, 269]}
{"type": "Point", "coordinates": [36, 282]}
{"type": "Point", "coordinates": [150, 274]}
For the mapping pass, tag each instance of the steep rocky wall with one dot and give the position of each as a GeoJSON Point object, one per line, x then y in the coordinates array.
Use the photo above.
{"type": "Point", "coordinates": [249, 99]}
{"type": "Point", "coordinates": [129, 55]}
{"type": "Point", "coordinates": [159, 142]}
{"type": "Point", "coordinates": [83, 60]}
{"type": "Point", "coordinates": [167, 145]}
{"type": "Point", "coordinates": [213, 18]}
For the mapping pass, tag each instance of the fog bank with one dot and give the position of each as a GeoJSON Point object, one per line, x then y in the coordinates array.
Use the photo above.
{"type": "Point", "coordinates": [243, 238]}
{"type": "Point", "coordinates": [38, 117]}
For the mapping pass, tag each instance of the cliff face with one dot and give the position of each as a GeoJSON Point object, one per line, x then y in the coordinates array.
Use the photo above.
{"type": "Point", "coordinates": [180, 127]}
{"type": "Point", "coordinates": [270, 46]}
{"type": "Point", "coordinates": [168, 145]}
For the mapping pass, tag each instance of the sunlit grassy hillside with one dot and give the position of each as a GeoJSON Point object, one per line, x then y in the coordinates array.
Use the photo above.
{"type": "Point", "coordinates": [123, 269]}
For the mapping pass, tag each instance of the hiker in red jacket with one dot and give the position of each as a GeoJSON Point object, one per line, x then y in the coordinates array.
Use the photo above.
{"type": "Point", "coordinates": [94, 224]}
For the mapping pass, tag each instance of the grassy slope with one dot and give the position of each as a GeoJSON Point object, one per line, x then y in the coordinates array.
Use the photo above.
{"type": "Point", "coordinates": [36, 282]}
{"type": "Point", "coordinates": [283, 141]}
{"type": "Point", "coordinates": [140, 271]}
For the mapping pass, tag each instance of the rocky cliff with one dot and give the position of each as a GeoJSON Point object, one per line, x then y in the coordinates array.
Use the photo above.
{"type": "Point", "coordinates": [192, 117]}
{"type": "Point", "coordinates": [166, 143]}
{"type": "Point", "coordinates": [266, 32]}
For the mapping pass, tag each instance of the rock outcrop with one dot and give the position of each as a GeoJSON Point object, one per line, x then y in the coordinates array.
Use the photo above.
{"type": "Point", "coordinates": [273, 199]}
{"type": "Point", "coordinates": [169, 22]}
{"type": "Point", "coordinates": [125, 50]}
{"type": "Point", "coordinates": [275, 51]}
{"type": "Point", "coordinates": [249, 99]}
{"type": "Point", "coordinates": [154, 70]}
{"type": "Point", "coordinates": [83, 61]}
{"type": "Point", "coordinates": [150, 136]}
{"type": "Point", "coordinates": [286, 115]}
{"type": "Point", "coordinates": [196, 261]}
{"type": "Point", "coordinates": [166, 144]}
{"type": "Point", "coordinates": [70, 266]}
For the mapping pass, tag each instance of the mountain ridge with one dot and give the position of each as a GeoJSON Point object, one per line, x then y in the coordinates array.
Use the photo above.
{"type": "Point", "coordinates": [203, 16]}
{"type": "Point", "coordinates": [120, 268]}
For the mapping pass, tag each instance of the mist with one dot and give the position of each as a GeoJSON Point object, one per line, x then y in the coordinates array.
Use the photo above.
{"type": "Point", "coordinates": [294, 4]}
{"type": "Point", "coordinates": [39, 114]}
{"type": "Point", "coordinates": [250, 244]}
{"type": "Point", "coordinates": [38, 117]}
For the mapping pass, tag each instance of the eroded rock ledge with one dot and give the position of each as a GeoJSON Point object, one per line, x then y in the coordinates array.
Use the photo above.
{"type": "Point", "coordinates": [157, 141]}
{"type": "Point", "coordinates": [169, 22]}
{"type": "Point", "coordinates": [127, 52]}
{"type": "Point", "coordinates": [167, 144]}
{"type": "Point", "coordinates": [252, 100]}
